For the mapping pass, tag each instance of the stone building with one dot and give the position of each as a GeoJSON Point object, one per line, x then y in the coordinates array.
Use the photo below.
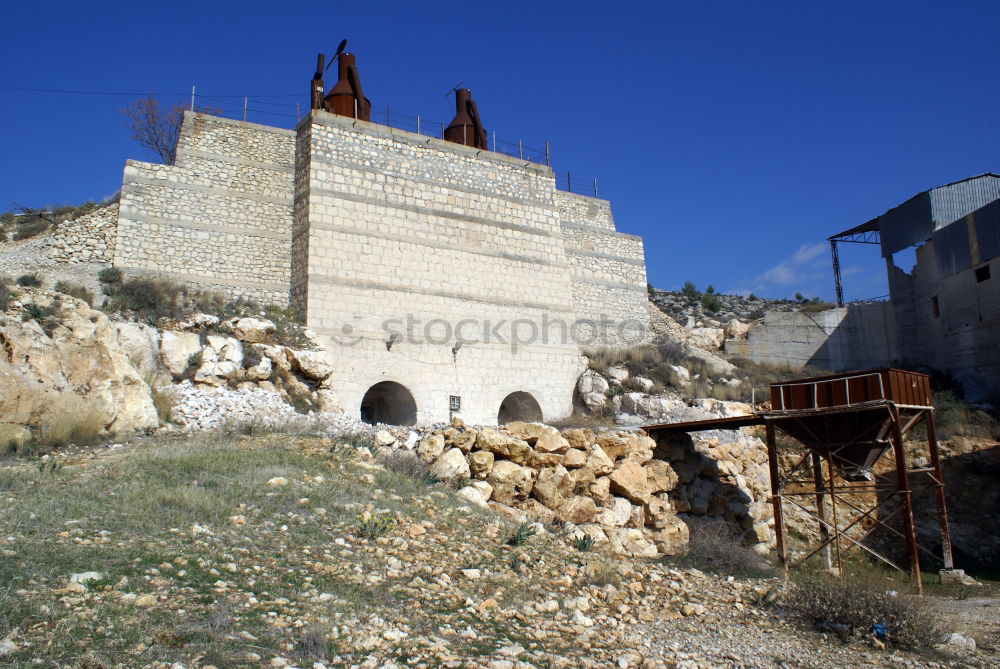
{"type": "Point", "coordinates": [442, 278]}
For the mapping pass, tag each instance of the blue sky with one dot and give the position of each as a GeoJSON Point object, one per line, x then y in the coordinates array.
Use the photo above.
{"type": "Point", "coordinates": [733, 136]}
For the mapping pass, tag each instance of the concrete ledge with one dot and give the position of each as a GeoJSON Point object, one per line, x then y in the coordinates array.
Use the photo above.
{"type": "Point", "coordinates": [606, 256]}
{"type": "Point", "coordinates": [214, 190]}
{"type": "Point", "coordinates": [441, 213]}
{"type": "Point", "coordinates": [594, 228]}
{"type": "Point", "coordinates": [451, 295]}
{"type": "Point", "coordinates": [197, 278]}
{"type": "Point", "coordinates": [259, 164]}
{"type": "Point", "coordinates": [437, 245]}
{"type": "Point", "coordinates": [207, 227]}
{"type": "Point", "coordinates": [323, 160]}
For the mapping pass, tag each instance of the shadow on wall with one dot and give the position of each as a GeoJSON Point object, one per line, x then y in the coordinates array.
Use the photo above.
{"type": "Point", "coordinates": [861, 336]}
{"type": "Point", "coordinates": [972, 497]}
{"type": "Point", "coordinates": [703, 497]}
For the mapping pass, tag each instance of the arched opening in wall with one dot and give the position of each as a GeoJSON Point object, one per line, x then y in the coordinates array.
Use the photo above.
{"type": "Point", "coordinates": [519, 406]}
{"type": "Point", "coordinates": [388, 402]}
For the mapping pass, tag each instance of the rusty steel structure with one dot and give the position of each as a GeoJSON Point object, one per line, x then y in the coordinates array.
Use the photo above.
{"type": "Point", "coordinates": [847, 424]}
{"type": "Point", "coordinates": [346, 98]}
{"type": "Point", "coordinates": [466, 128]}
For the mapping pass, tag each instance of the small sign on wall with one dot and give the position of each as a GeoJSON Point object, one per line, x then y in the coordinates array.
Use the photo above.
{"type": "Point", "coordinates": [454, 403]}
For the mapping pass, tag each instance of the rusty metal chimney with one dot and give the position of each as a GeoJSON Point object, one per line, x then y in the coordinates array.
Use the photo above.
{"type": "Point", "coordinates": [466, 128]}
{"type": "Point", "coordinates": [347, 98]}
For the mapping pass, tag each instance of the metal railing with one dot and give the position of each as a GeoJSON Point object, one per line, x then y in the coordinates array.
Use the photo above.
{"type": "Point", "coordinates": [253, 109]}
{"type": "Point", "coordinates": [815, 386]}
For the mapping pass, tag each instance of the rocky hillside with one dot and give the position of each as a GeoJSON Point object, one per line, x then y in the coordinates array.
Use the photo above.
{"type": "Point", "coordinates": [305, 551]}
{"type": "Point", "coordinates": [696, 309]}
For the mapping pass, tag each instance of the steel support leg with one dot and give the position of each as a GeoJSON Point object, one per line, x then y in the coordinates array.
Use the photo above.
{"type": "Point", "coordinates": [779, 524]}
{"type": "Point", "coordinates": [949, 561]}
{"type": "Point", "coordinates": [905, 501]}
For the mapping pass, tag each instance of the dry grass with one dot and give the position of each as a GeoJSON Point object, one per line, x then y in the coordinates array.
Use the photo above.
{"type": "Point", "coordinates": [69, 419]}
{"type": "Point", "coordinates": [854, 603]}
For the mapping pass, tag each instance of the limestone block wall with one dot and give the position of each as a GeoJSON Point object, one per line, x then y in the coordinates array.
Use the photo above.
{"type": "Point", "coordinates": [220, 217]}
{"type": "Point", "coordinates": [410, 246]}
{"type": "Point", "coordinates": [608, 271]}
{"type": "Point", "coordinates": [858, 336]}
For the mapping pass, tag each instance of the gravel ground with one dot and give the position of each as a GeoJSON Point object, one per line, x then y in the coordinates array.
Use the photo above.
{"type": "Point", "coordinates": [31, 255]}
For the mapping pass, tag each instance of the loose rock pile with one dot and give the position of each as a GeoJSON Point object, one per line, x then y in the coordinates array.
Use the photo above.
{"type": "Point", "coordinates": [619, 488]}
{"type": "Point", "coordinates": [87, 239]}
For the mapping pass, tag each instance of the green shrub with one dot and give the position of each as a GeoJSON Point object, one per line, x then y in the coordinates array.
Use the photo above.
{"type": "Point", "coordinates": [374, 525]}
{"type": "Point", "coordinates": [4, 295]}
{"type": "Point", "coordinates": [583, 543]}
{"type": "Point", "coordinates": [75, 290]}
{"type": "Point", "coordinates": [33, 280]}
{"type": "Point", "coordinates": [36, 312]}
{"type": "Point", "coordinates": [110, 275]}
{"type": "Point", "coordinates": [521, 534]}
{"type": "Point", "coordinates": [711, 303]}
{"type": "Point", "coordinates": [815, 306]}
{"type": "Point", "coordinates": [852, 604]}
{"type": "Point", "coordinates": [690, 291]}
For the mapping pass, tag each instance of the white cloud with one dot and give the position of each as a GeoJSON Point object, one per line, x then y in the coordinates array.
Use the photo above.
{"type": "Point", "coordinates": [800, 272]}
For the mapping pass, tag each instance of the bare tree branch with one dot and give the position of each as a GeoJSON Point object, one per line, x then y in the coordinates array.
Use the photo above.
{"type": "Point", "coordinates": [157, 128]}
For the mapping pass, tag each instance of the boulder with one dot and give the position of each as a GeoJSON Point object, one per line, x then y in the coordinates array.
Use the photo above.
{"type": "Point", "coordinates": [481, 464]}
{"type": "Point", "coordinates": [503, 445]}
{"type": "Point", "coordinates": [673, 538]}
{"type": "Point", "coordinates": [576, 510]}
{"type": "Point", "coordinates": [552, 486]}
{"type": "Point", "coordinates": [260, 371]}
{"type": "Point", "coordinates": [660, 476]}
{"type": "Point", "coordinates": [463, 439]}
{"type": "Point", "coordinates": [615, 515]}
{"type": "Point", "coordinates": [600, 490]}
{"type": "Point", "coordinates": [141, 345]}
{"type": "Point", "coordinates": [736, 329]}
{"type": "Point", "coordinates": [579, 438]}
{"type": "Point", "coordinates": [632, 542]}
{"type": "Point", "coordinates": [223, 349]}
{"type": "Point", "coordinates": [598, 462]}
{"type": "Point", "coordinates": [313, 364]}
{"type": "Point", "coordinates": [510, 482]}
{"type": "Point", "coordinates": [629, 480]}
{"type": "Point", "coordinates": [538, 460]}
{"type": "Point", "coordinates": [592, 389]}
{"type": "Point", "coordinates": [176, 349]}
{"type": "Point", "coordinates": [473, 496]}
{"type": "Point", "coordinates": [484, 488]}
{"type": "Point", "coordinates": [253, 330]}
{"type": "Point", "coordinates": [431, 448]}
{"type": "Point", "coordinates": [618, 373]}
{"type": "Point", "coordinates": [534, 509]}
{"type": "Point", "coordinates": [708, 339]}
{"type": "Point", "coordinates": [573, 458]}
{"type": "Point", "coordinates": [613, 445]}
{"type": "Point", "coordinates": [75, 371]}
{"type": "Point", "coordinates": [451, 465]}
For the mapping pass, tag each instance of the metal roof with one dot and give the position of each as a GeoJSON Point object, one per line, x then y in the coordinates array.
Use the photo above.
{"type": "Point", "coordinates": [917, 219]}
